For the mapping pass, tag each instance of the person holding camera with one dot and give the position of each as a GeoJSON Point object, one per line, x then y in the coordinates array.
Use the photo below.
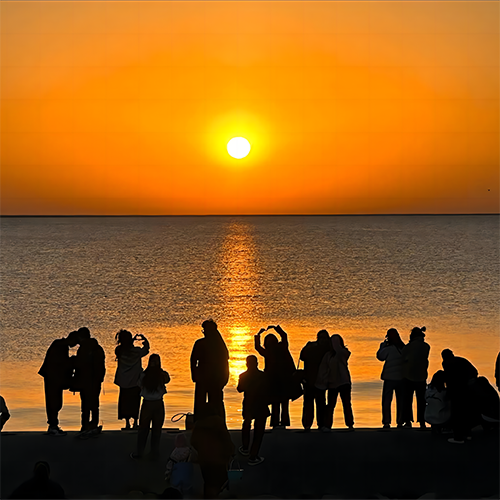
{"type": "Point", "coordinates": [128, 371]}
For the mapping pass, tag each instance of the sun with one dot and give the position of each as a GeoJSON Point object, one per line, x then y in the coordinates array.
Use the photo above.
{"type": "Point", "coordinates": [238, 147]}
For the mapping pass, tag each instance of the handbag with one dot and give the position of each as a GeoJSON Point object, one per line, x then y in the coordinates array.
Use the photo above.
{"type": "Point", "coordinates": [296, 387]}
{"type": "Point", "coordinates": [235, 472]}
{"type": "Point", "coordinates": [188, 423]}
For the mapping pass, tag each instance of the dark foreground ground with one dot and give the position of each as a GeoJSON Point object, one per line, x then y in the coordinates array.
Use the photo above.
{"type": "Point", "coordinates": [365, 464]}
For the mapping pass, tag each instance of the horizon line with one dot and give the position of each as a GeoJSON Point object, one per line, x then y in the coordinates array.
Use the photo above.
{"type": "Point", "coordinates": [261, 215]}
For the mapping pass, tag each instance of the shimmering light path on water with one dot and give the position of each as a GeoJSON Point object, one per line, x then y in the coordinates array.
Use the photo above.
{"type": "Point", "coordinates": [162, 277]}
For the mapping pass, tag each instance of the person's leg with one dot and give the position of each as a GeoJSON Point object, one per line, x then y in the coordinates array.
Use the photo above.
{"type": "Point", "coordinates": [258, 434]}
{"type": "Point", "coordinates": [85, 407]}
{"type": "Point", "coordinates": [330, 407]}
{"type": "Point", "coordinates": [53, 403]}
{"type": "Point", "coordinates": [200, 399]}
{"type": "Point", "coordinates": [420, 397]}
{"type": "Point", "coordinates": [320, 399]}
{"type": "Point", "coordinates": [94, 405]}
{"type": "Point", "coordinates": [145, 418]}
{"type": "Point", "coordinates": [275, 414]}
{"type": "Point", "coordinates": [285, 412]}
{"type": "Point", "coordinates": [215, 395]}
{"type": "Point", "coordinates": [308, 406]}
{"type": "Point", "coordinates": [245, 433]}
{"type": "Point", "coordinates": [408, 399]}
{"type": "Point", "coordinates": [157, 419]}
{"type": "Point", "coordinates": [387, 402]}
{"type": "Point", "coordinates": [399, 390]}
{"type": "Point", "coordinates": [345, 396]}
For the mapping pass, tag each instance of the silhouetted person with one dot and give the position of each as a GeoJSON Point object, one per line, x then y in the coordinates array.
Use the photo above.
{"type": "Point", "coordinates": [438, 409]}
{"type": "Point", "coordinates": [254, 385]}
{"type": "Point", "coordinates": [279, 367]}
{"type": "Point", "coordinates": [57, 370]}
{"type": "Point", "coordinates": [415, 364]}
{"type": "Point", "coordinates": [460, 375]}
{"type": "Point", "coordinates": [391, 352]}
{"type": "Point", "coordinates": [333, 374]}
{"type": "Point", "coordinates": [209, 369]}
{"type": "Point", "coordinates": [171, 493]}
{"type": "Point", "coordinates": [497, 371]}
{"type": "Point", "coordinates": [312, 354]}
{"type": "Point", "coordinates": [179, 471]}
{"type": "Point", "coordinates": [89, 374]}
{"type": "Point", "coordinates": [127, 375]}
{"type": "Point", "coordinates": [152, 382]}
{"type": "Point", "coordinates": [5, 415]}
{"type": "Point", "coordinates": [211, 439]}
{"type": "Point", "coordinates": [39, 486]}
{"type": "Point", "coordinates": [486, 403]}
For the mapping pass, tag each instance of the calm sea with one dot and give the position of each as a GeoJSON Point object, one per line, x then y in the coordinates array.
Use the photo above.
{"type": "Point", "coordinates": [162, 276]}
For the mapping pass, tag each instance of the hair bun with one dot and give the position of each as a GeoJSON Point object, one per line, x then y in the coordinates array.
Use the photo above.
{"type": "Point", "coordinates": [423, 328]}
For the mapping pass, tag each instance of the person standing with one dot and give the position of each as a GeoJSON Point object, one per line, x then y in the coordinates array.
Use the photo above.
{"type": "Point", "coordinates": [312, 354]}
{"type": "Point", "coordinates": [253, 384]}
{"type": "Point", "coordinates": [57, 370]}
{"type": "Point", "coordinates": [89, 374]}
{"type": "Point", "coordinates": [152, 382]}
{"type": "Point", "coordinates": [390, 352]}
{"type": "Point", "coordinates": [209, 370]}
{"type": "Point", "coordinates": [279, 367]}
{"type": "Point", "coordinates": [497, 371]}
{"type": "Point", "coordinates": [415, 364]}
{"type": "Point", "coordinates": [460, 375]}
{"type": "Point", "coordinates": [333, 374]}
{"type": "Point", "coordinates": [4, 412]}
{"type": "Point", "coordinates": [127, 375]}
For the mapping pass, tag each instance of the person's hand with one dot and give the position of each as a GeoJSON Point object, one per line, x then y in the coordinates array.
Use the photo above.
{"type": "Point", "coordinates": [271, 327]}
{"type": "Point", "coordinates": [262, 330]}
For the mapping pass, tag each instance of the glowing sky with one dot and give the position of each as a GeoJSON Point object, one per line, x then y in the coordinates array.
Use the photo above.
{"type": "Point", "coordinates": [350, 107]}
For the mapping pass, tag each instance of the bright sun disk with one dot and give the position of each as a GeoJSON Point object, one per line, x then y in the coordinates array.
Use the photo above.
{"type": "Point", "coordinates": [238, 147]}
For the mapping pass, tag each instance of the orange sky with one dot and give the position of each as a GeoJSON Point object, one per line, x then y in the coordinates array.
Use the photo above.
{"type": "Point", "coordinates": [350, 107]}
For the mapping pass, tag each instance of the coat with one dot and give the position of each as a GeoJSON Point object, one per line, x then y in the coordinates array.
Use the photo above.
{"type": "Point", "coordinates": [393, 357]}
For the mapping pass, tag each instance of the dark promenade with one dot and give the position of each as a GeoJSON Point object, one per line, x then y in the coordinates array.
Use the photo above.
{"type": "Point", "coordinates": [367, 463]}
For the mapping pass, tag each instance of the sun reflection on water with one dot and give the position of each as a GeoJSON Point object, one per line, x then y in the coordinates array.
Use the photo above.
{"type": "Point", "coordinates": [239, 284]}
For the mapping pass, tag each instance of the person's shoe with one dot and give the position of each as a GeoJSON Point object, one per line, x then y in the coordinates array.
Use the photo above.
{"type": "Point", "coordinates": [456, 441]}
{"type": "Point", "coordinates": [255, 461]}
{"type": "Point", "coordinates": [423, 427]}
{"type": "Point", "coordinates": [135, 456]}
{"type": "Point", "coordinates": [350, 428]}
{"type": "Point", "coordinates": [84, 435]}
{"type": "Point", "coordinates": [243, 451]}
{"type": "Point", "coordinates": [386, 427]}
{"type": "Point", "coordinates": [96, 431]}
{"type": "Point", "coordinates": [407, 425]}
{"type": "Point", "coordinates": [55, 430]}
{"type": "Point", "coordinates": [325, 429]}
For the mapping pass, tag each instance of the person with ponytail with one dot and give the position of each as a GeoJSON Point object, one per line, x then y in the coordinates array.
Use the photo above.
{"type": "Point", "coordinates": [127, 375]}
{"type": "Point", "coordinates": [152, 383]}
{"type": "Point", "coordinates": [415, 364]}
{"type": "Point", "coordinates": [390, 352]}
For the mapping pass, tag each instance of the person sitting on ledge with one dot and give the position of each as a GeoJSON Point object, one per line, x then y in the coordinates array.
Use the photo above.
{"type": "Point", "coordinates": [39, 486]}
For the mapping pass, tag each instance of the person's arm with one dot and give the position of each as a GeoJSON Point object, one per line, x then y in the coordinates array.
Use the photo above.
{"type": "Point", "coordinates": [241, 384]}
{"type": "Point", "coordinates": [383, 351]}
{"type": "Point", "coordinates": [282, 334]}
{"type": "Point", "coordinates": [166, 377]}
{"type": "Point", "coordinates": [145, 346]}
{"type": "Point", "coordinates": [257, 345]}
{"type": "Point", "coordinates": [194, 362]}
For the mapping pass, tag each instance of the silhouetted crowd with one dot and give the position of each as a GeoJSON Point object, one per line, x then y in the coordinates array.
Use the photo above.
{"type": "Point", "coordinates": [456, 399]}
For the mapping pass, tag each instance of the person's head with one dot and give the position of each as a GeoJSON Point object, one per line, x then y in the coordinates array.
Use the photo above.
{"type": "Point", "coordinates": [322, 336]}
{"type": "Point", "coordinates": [83, 334]}
{"type": "Point", "coordinates": [154, 361]}
{"type": "Point", "coordinates": [41, 471]}
{"type": "Point", "coordinates": [271, 341]}
{"type": "Point", "coordinates": [209, 326]}
{"type": "Point", "coordinates": [394, 338]}
{"type": "Point", "coordinates": [417, 333]}
{"type": "Point", "coordinates": [438, 380]}
{"type": "Point", "coordinates": [171, 493]}
{"type": "Point", "coordinates": [252, 362]}
{"type": "Point", "coordinates": [124, 338]}
{"type": "Point", "coordinates": [337, 340]}
{"type": "Point", "coordinates": [73, 338]}
{"type": "Point", "coordinates": [180, 440]}
{"type": "Point", "coordinates": [447, 354]}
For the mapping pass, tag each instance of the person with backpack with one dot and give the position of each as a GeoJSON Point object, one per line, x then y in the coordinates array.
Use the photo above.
{"type": "Point", "coordinates": [390, 352]}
